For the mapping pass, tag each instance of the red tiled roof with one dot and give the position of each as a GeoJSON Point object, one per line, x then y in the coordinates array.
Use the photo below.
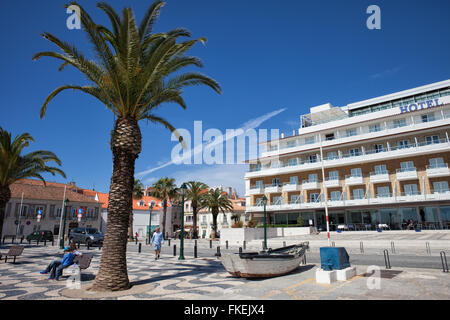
{"type": "Point", "coordinates": [39, 192]}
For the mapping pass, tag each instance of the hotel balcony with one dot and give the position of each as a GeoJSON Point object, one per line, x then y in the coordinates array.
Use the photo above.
{"type": "Point", "coordinates": [272, 188]}
{"type": "Point", "coordinates": [393, 152]}
{"type": "Point", "coordinates": [439, 170]}
{"type": "Point", "coordinates": [390, 199]}
{"type": "Point", "coordinates": [407, 174]}
{"type": "Point", "coordinates": [331, 183]}
{"type": "Point", "coordinates": [353, 180]}
{"type": "Point", "coordinates": [310, 185]}
{"type": "Point", "coordinates": [255, 190]}
{"type": "Point", "coordinates": [287, 187]}
{"type": "Point", "coordinates": [377, 177]}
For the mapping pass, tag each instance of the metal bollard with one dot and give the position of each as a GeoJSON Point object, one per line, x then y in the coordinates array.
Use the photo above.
{"type": "Point", "coordinates": [361, 247]}
{"type": "Point", "coordinates": [444, 262]}
{"type": "Point", "coordinates": [53, 242]}
{"type": "Point", "coordinates": [45, 243]}
{"type": "Point", "coordinates": [427, 246]}
{"type": "Point", "coordinates": [226, 244]}
{"type": "Point", "coordinates": [169, 242]}
{"type": "Point", "coordinates": [13, 239]}
{"type": "Point", "coordinates": [218, 250]}
{"type": "Point", "coordinates": [140, 247]}
{"type": "Point", "coordinates": [88, 245]}
{"type": "Point", "coordinates": [174, 250]}
{"type": "Point", "coordinates": [210, 244]}
{"type": "Point", "coordinates": [244, 244]}
{"type": "Point", "coordinates": [21, 240]}
{"type": "Point", "coordinates": [386, 259]}
{"type": "Point", "coordinates": [240, 250]}
{"type": "Point", "coordinates": [392, 247]}
{"type": "Point", "coordinates": [195, 249]}
{"type": "Point", "coordinates": [37, 242]}
{"type": "Point", "coordinates": [29, 242]}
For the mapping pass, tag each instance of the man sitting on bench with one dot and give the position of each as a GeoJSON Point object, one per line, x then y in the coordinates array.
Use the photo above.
{"type": "Point", "coordinates": [56, 267]}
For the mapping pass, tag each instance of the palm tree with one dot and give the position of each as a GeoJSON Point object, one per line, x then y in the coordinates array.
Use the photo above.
{"type": "Point", "coordinates": [138, 193]}
{"type": "Point", "coordinates": [134, 71]}
{"type": "Point", "coordinates": [14, 166]}
{"type": "Point", "coordinates": [216, 202]}
{"type": "Point", "coordinates": [236, 217]}
{"type": "Point", "coordinates": [166, 190]}
{"type": "Point", "coordinates": [195, 192]}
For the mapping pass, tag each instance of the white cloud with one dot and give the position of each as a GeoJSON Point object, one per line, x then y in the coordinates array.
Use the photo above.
{"type": "Point", "coordinates": [251, 124]}
{"type": "Point", "coordinates": [386, 73]}
{"type": "Point", "coordinates": [226, 175]}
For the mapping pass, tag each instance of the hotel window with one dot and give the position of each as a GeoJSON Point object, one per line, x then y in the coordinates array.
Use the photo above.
{"type": "Point", "coordinates": [379, 148]}
{"type": "Point", "coordinates": [275, 182]}
{"type": "Point", "coordinates": [440, 186]}
{"type": "Point", "coordinates": [351, 132]}
{"type": "Point", "coordinates": [293, 180]}
{"type": "Point", "coordinates": [329, 136]}
{"type": "Point", "coordinates": [309, 140]}
{"type": "Point", "coordinates": [432, 139]}
{"type": "Point", "coordinates": [58, 212]}
{"type": "Point", "coordinates": [436, 163]}
{"type": "Point", "coordinates": [333, 175]}
{"type": "Point", "coordinates": [428, 117]}
{"type": "Point", "coordinates": [52, 210]}
{"type": "Point", "coordinates": [295, 198]}
{"type": "Point", "coordinates": [403, 144]}
{"type": "Point", "coordinates": [312, 177]}
{"type": "Point", "coordinates": [258, 184]}
{"type": "Point", "coordinates": [375, 127]}
{"type": "Point", "coordinates": [380, 169]}
{"type": "Point", "coordinates": [314, 197]}
{"type": "Point", "coordinates": [335, 195]}
{"type": "Point", "coordinates": [383, 192]}
{"type": "Point", "coordinates": [399, 123]}
{"type": "Point", "coordinates": [332, 155]}
{"type": "Point", "coordinates": [312, 158]}
{"type": "Point", "coordinates": [354, 152]}
{"type": "Point", "coordinates": [356, 172]}
{"type": "Point", "coordinates": [410, 189]}
{"type": "Point", "coordinates": [292, 162]}
{"type": "Point", "coordinates": [358, 194]}
{"type": "Point", "coordinates": [291, 144]}
{"type": "Point", "coordinates": [407, 166]}
{"type": "Point", "coordinates": [278, 200]}
{"type": "Point", "coordinates": [24, 211]}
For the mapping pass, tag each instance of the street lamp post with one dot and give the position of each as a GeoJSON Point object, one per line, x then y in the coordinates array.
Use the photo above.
{"type": "Point", "coordinates": [264, 200]}
{"type": "Point", "coordinates": [150, 224]}
{"type": "Point", "coordinates": [61, 241]}
{"type": "Point", "coordinates": [183, 193]}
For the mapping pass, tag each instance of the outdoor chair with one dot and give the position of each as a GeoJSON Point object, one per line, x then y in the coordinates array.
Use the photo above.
{"type": "Point", "coordinates": [14, 251]}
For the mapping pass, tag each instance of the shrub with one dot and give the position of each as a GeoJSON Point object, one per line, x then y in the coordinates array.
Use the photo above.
{"type": "Point", "coordinates": [300, 220]}
{"type": "Point", "coordinates": [238, 224]}
{"type": "Point", "coordinates": [252, 223]}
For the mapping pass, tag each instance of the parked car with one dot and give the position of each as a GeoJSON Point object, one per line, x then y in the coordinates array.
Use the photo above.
{"type": "Point", "coordinates": [40, 235]}
{"type": "Point", "coordinates": [86, 235]}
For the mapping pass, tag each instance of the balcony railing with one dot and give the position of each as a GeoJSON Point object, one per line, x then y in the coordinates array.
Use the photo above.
{"type": "Point", "coordinates": [380, 176]}
{"type": "Point", "coordinates": [438, 170]}
{"type": "Point", "coordinates": [303, 162]}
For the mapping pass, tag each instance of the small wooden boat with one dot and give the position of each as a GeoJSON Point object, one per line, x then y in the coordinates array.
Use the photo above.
{"type": "Point", "coordinates": [264, 264]}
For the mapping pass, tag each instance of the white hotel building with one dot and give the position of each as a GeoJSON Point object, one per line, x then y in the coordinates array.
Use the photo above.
{"type": "Point", "coordinates": [385, 161]}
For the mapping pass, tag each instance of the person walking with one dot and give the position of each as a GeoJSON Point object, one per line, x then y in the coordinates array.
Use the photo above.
{"type": "Point", "coordinates": [157, 240]}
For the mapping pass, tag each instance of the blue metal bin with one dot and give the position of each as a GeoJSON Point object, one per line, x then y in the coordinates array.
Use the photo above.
{"type": "Point", "coordinates": [334, 258]}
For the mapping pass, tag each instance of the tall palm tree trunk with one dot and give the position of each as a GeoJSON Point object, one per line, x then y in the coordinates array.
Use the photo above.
{"type": "Point", "coordinates": [194, 217]}
{"type": "Point", "coordinates": [214, 231]}
{"type": "Point", "coordinates": [126, 146]}
{"type": "Point", "coordinates": [5, 196]}
{"type": "Point", "coordinates": [130, 225]}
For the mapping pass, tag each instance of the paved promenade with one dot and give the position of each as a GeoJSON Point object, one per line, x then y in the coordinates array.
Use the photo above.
{"type": "Point", "coordinates": [205, 279]}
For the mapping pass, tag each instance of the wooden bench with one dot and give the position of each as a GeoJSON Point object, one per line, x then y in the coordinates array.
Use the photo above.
{"type": "Point", "coordinates": [82, 262]}
{"type": "Point", "coordinates": [14, 251]}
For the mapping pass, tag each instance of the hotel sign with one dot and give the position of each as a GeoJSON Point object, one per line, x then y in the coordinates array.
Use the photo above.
{"type": "Point", "coordinates": [420, 106]}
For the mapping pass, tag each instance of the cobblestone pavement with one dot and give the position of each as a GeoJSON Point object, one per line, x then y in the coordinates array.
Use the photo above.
{"type": "Point", "coordinates": [205, 279]}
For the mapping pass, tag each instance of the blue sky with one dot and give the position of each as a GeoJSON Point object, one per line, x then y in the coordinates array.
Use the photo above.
{"type": "Point", "coordinates": [267, 55]}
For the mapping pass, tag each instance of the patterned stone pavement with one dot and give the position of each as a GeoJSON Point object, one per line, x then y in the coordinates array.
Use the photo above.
{"type": "Point", "coordinates": [205, 279]}
{"type": "Point", "coordinates": [166, 278]}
